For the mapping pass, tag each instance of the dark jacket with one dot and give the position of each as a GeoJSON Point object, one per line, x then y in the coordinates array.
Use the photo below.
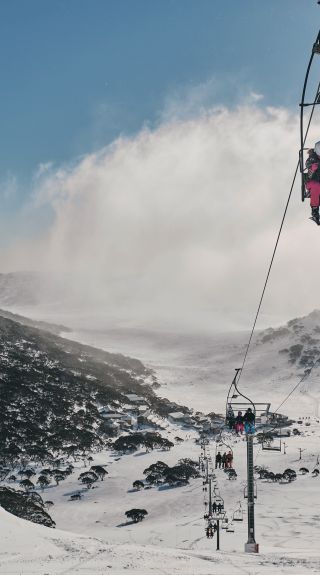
{"type": "Point", "coordinates": [249, 417]}
{"type": "Point", "coordinates": [313, 166]}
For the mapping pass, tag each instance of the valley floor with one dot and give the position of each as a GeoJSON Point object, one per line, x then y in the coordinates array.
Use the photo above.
{"type": "Point", "coordinates": [92, 535]}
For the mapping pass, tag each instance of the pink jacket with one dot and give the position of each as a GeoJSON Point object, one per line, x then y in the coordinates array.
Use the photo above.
{"type": "Point", "coordinates": [314, 188]}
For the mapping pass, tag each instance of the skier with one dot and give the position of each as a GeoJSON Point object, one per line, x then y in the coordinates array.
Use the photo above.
{"type": "Point", "coordinates": [249, 419]}
{"type": "Point", "coordinates": [223, 460]}
{"type": "Point", "coordinates": [229, 460]}
{"type": "Point", "coordinates": [214, 508]}
{"type": "Point", "coordinates": [313, 181]}
{"type": "Point", "coordinates": [230, 417]}
{"type": "Point", "coordinates": [239, 423]}
{"type": "Point", "coordinates": [218, 460]}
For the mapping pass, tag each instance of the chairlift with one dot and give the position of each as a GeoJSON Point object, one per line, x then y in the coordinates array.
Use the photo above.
{"type": "Point", "coordinates": [238, 514]}
{"type": "Point", "coordinates": [303, 118]}
{"type": "Point", "coordinates": [230, 528]}
{"type": "Point", "coordinates": [269, 445]}
{"type": "Point", "coordinates": [219, 516]}
{"type": "Point", "coordinates": [218, 501]}
{"type": "Point", "coordinates": [225, 523]}
{"type": "Point", "coordinates": [225, 520]}
{"type": "Point", "coordinates": [260, 409]}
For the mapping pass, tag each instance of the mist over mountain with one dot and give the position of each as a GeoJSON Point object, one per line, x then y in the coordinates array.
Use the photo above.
{"type": "Point", "coordinates": [184, 359]}
{"type": "Point", "coordinates": [174, 226]}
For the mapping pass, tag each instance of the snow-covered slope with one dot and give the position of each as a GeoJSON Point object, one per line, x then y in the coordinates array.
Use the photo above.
{"type": "Point", "coordinates": [197, 369]}
{"type": "Point", "coordinates": [93, 537]}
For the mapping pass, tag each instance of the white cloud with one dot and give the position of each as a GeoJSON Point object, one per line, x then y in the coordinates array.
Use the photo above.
{"type": "Point", "coordinates": [179, 223]}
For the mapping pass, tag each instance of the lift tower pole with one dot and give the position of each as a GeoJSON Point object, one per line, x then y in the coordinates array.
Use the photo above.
{"type": "Point", "coordinates": [251, 546]}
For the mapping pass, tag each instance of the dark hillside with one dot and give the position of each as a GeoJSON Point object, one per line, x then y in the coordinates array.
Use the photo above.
{"type": "Point", "coordinates": [51, 388]}
{"type": "Point", "coordinates": [51, 327]}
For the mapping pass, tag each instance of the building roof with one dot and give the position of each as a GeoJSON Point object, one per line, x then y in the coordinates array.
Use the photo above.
{"type": "Point", "coordinates": [134, 397]}
{"type": "Point", "coordinates": [178, 415]}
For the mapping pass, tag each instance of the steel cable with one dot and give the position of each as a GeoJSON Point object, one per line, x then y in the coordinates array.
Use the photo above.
{"type": "Point", "coordinates": [277, 241]}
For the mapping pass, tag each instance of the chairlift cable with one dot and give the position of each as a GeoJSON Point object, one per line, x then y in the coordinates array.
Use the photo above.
{"type": "Point", "coordinates": [278, 237]}
{"type": "Point", "coordinates": [304, 377]}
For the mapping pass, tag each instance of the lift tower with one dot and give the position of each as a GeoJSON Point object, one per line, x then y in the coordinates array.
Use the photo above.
{"type": "Point", "coordinates": [251, 546]}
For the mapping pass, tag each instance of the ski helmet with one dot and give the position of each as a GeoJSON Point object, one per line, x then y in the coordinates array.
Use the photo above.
{"type": "Point", "coordinates": [317, 148]}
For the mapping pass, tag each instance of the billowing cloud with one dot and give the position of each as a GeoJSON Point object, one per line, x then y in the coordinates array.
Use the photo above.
{"type": "Point", "coordinates": [178, 224]}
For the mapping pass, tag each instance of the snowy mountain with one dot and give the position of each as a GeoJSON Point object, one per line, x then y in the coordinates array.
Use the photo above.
{"type": "Point", "coordinates": [53, 389]}
{"type": "Point", "coordinates": [92, 534]}
{"type": "Point", "coordinates": [197, 369]}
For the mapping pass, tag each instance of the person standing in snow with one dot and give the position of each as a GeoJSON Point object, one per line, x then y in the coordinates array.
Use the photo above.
{"type": "Point", "coordinates": [218, 460]}
{"type": "Point", "coordinates": [229, 460]}
{"type": "Point", "coordinates": [313, 181]}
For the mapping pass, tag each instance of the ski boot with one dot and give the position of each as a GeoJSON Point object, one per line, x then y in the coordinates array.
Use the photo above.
{"type": "Point", "coordinates": [315, 215]}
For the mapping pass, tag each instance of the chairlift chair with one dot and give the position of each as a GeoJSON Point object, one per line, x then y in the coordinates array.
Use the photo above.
{"type": "Point", "coordinates": [218, 500]}
{"type": "Point", "coordinates": [218, 516]}
{"type": "Point", "coordinates": [230, 528]}
{"type": "Point", "coordinates": [269, 445]}
{"type": "Point", "coordinates": [238, 514]}
{"type": "Point", "coordinates": [237, 401]}
{"type": "Point", "coordinates": [224, 523]}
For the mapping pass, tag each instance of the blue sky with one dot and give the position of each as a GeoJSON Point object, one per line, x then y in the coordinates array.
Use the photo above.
{"type": "Point", "coordinates": [77, 73]}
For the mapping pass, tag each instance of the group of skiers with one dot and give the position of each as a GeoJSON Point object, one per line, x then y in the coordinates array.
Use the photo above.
{"type": "Point", "coordinates": [210, 530]}
{"type": "Point", "coordinates": [224, 461]}
{"type": "Point", "coordinates": [241, 423]}
{"type": "Point", "coordinates": [217, 507]}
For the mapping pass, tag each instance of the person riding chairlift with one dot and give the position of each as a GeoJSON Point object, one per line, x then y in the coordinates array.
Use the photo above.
{"type": "Point", "coordinates": [313, 181]}
{"type": "Point", "coordinates": [249, 419]}
{"type": "Point", "coordinates": [230, 417]}
{"type": "Point", "coordinates": [239, 423]}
